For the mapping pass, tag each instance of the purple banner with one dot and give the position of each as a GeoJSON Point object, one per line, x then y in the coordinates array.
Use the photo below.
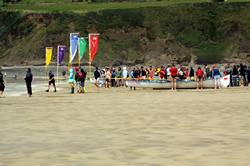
{"type": "Point", "coordinates": [61, 50]}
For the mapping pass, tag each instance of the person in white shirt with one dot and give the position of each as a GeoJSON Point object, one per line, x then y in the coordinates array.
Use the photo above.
{"type": "Point", "coordinates": [168, 72]}
{"type": "Point", "coordinates": [124, 76]}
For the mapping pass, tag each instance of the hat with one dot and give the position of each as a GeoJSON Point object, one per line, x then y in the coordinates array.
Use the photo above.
{"type": "Point", "coordinates": [124, 68]}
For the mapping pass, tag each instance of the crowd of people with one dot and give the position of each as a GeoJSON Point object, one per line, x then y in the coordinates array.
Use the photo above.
{"type": "Point", "coordinates": [116, 77]}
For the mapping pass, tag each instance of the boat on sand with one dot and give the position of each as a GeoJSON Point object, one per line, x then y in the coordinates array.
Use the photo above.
{"type": "Point", "coordinates": [166, 84]}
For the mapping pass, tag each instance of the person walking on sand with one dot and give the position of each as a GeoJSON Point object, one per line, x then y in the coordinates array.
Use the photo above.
{"type": "Point", "coordinates": [28, 79]}
{"type": "Point", "coordinates": [173, 73]}
{"type": "Point", "coordinates": [199, 78]}
{"type": "Point", "coordinates": [2, 86]}
{"type": "Point", "coordinates": [51, 81]}
{"type": "Point", "coordinates": [216, 76]}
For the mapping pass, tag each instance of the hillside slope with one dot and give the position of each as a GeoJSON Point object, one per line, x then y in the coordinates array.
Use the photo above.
{"type": "Point", "coordinates": [203, 32]}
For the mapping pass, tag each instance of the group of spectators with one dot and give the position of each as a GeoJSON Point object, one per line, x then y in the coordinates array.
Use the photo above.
{"type": "Point", "coordinates": [116, 77]}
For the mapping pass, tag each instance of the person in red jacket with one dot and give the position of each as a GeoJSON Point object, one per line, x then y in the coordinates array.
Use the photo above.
{"type": "Point", "coordinates": [162, 74]}
{"type": "Point", "coordinates": [173, 73]}
{"type": "Point", "coordinates": [199, 78]}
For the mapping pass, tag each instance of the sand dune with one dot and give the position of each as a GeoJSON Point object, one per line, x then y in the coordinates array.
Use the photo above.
{"type": "Point", "coordinates": [118, 127]}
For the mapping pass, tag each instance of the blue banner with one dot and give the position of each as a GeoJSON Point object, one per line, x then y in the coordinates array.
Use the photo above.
{"type": "Point", "coordinates": [73, 46]}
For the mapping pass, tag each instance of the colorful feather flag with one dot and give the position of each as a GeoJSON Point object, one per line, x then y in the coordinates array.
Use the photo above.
{"type": "Point", "coordinates": [82, 47]}
{"type": "Point", "coordinates": [48, 55]}
{"type": "Point", "coordinates": [60, 52]}
{"type": "Point", "coordinates": [93, 45]}
{"type": "Point", "coordinates": [73, 46]}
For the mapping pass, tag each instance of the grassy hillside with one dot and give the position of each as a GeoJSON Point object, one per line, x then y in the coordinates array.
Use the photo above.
{"type": "Point", "coordinates": [83, 7]}
{"type": "Point", "coordinates": [204, 32]}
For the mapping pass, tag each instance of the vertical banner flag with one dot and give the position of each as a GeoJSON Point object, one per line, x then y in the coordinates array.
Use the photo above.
{"type": "Point", "coordinates": [93, 45]}
{"type": "Point", "coordinates": [82, 47]}
{"type": "Point", "coordinates": [48, 55]}
{"type": "Point", "coordinates": [60, 51]}
{"type": "Point", "coordinates": [73, 46]}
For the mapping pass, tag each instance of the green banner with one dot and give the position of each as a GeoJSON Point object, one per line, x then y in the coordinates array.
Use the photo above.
{"type": "Point", "coordinates": [82, 47]}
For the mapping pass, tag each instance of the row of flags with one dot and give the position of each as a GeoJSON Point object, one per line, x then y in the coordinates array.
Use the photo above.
{"type": "Point", "coordinates": [77, 45]}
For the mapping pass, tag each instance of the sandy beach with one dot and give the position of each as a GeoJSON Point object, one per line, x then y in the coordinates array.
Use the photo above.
{"type": "Point", "coordinates": [118, 127]}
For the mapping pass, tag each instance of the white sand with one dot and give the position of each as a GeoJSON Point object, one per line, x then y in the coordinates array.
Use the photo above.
{"type": "Point", "coordinates": [118, 127]}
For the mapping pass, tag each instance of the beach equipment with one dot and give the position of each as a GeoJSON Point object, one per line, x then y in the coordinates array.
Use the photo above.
{"type": "Point", "coordinates": [165, 84]}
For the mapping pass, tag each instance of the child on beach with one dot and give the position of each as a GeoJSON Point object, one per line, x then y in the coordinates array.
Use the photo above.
{"type": "Point", "coordinates": [51, 81]}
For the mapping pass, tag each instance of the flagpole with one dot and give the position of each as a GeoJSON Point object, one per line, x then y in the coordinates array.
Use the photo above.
{"type": "Point", "coordinates": [46, 65]}
{"type": "Point", "coordinates": [79, 60]}
{"type": "Point", "coordinates": [57, 64]}
{"type": "Point", "coordinates": [89, 59]}
{"type": "Point", "coordinates": [70, 54]}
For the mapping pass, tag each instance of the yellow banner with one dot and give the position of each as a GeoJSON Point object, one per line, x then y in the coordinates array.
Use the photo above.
{"type": "Point", "coordinates": [48, 55]}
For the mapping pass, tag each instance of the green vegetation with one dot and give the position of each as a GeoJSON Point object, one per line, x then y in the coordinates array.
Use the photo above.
{"type": "Point", "coordinates": [67, 5]}
{"type": "Point", "coordinates": [130, 34]}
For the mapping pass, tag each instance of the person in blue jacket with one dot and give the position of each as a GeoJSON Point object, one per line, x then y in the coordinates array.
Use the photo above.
{"type": "Point", "coordinates": [216, 75]}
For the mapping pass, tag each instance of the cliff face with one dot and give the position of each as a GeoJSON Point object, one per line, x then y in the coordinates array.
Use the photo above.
{"type": "Point", "coordinates": [202, 33]}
